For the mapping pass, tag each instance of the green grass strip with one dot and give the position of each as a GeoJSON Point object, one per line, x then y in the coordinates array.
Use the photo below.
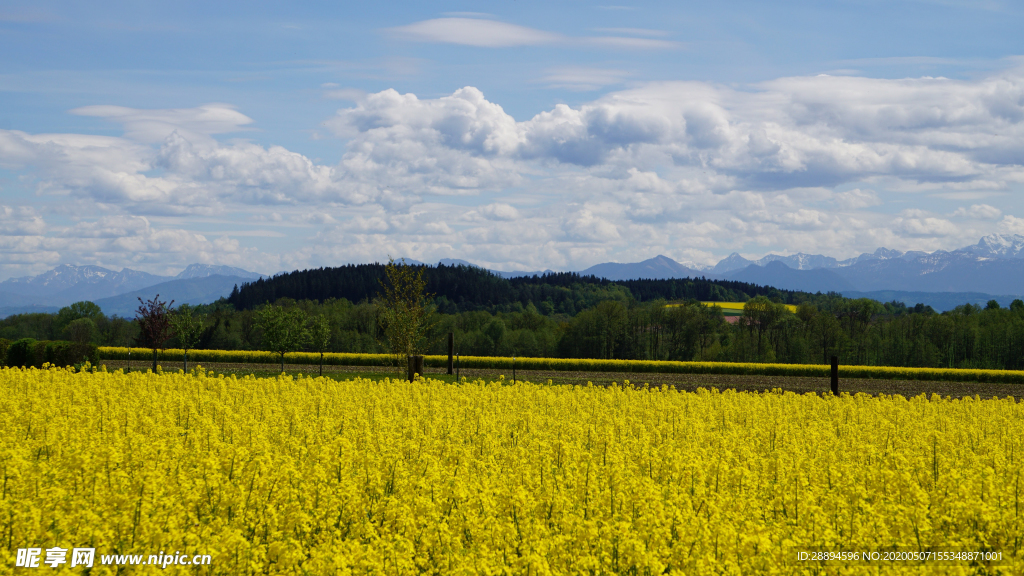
{"type": "Point", "coordinates": [580, 365]}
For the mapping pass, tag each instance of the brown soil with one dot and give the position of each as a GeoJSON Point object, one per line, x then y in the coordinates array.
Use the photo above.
{"type": "Point", "coordinates": [907, 388]}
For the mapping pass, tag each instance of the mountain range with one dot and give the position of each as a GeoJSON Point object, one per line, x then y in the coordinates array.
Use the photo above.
{"type": "Point", "coordinates": [116, 292]}
{"type": "Point", "coordinates": [991, 269]}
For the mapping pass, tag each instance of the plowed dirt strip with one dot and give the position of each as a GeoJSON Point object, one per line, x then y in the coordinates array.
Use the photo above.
{"type": "Point", "coordinates": [907, 388]}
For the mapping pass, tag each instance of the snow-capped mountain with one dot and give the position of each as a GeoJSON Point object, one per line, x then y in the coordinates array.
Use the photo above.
{"type": "Point", "coordinates": [998, 246]}
{"type": "Point", "coordinates": [799, 261]}
{"type": "Point", "coordinates": [995, 265]}
{"type": "Point", "coordinates": [84, 279]}
{"type": "Point", "coordinates": [67, 283]}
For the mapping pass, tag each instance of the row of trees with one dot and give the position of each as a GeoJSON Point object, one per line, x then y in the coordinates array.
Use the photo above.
{"type": "Point", "coordinates": [404, 319]}
{"type": "Point", "coordinates": [857, 331]}
{"type": "Point", "coordinates": [462, 288]}
{"type": "Point", "coordinates": [284, 329]}
{"type": "Point", "coordinates": [403, 313]}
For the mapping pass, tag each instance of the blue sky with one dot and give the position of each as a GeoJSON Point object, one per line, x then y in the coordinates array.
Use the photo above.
{"type": "Point", "coordinates": [518, 135]}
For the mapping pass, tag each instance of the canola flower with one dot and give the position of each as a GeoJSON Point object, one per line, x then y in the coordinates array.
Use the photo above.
{"type": "Point", "coordinates": [730, 308]}
{"type": "Point", "coordinates": [172, 355]}
{"type": "Point", "coordinates": [294, 475]}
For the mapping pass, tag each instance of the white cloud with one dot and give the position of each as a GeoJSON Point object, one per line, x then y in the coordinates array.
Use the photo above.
{"type": "Point", "coordinates": [856, 199]}
{"type": "Point", "coordinates": [474, 32]}
{"type": "Point", "coordinates": [1011, 225]}
{"type": "Point", "coordinates": [486, 33]}
{"type": "Point", "coordinates": [630, 43]}
{"type": "Point", "coordinates": [686, 168]}
{"type": "Point", "coordinates": [978, 211]}
{"type": "Point", "coordinates": [152, 126]}
{"type": "Point", "coordinates": [109, 227]}
{"type": "Point", "coordinates": [804, 218]}
{"type": "Point", "coordinates": [582, 79]}
{"type": "Point", "coordinates": [918, 224]}
{"type": "Point", "coordinates": [807, 131]}
{"type": "Point", "coordinates": [633, 31]}
{"type": "Point", "coordinates": [20, 221]}
{"type": "Point", "coordinates": [584, 225]}
{"type": "Point", "coordinates": [500, 211]}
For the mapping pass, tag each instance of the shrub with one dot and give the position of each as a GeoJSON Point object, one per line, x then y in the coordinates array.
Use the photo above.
{"type": "Point", "coordinates": [62, 353]}
{"type": "Point", "coordinates": [28, 352]}
{"type": "Point", "coordinates": [19, 353]}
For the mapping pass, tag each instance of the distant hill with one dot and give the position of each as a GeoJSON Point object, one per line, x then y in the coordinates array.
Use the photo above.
{"type": "Point", "coordinates": [200, 290]}
{"type": "Point", "coordinates": [657, 268]}
{"type": "Point", "coordinates": [6, 311]}
{"type": "Point", "coordinates": [462, 288]}
{"type": "Point", "coordinates": [205, 270]}
{"type": "Point", "coordinates": [940, 301]}
{"type": "Point", "coordinates": [777, 274]}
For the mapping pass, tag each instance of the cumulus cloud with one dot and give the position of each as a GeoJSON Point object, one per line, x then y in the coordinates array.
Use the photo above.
{"type": "Point", "coordinates": [1011, 225]}
{"type": "Point", "coordinates": [20, 221]}
{"type": "Point", "coordinates": [978, 211]}
{"type": "Point", "coordinates": [180, 176]}
{"type": "Point", "coordinates": [500, 211]}
{"type": "Point", "coordinates": [250, 173]}
{"type": "Point", "coordinates": [856, 199]}
{"type": "Point", "coordinates": [920, 224]}
{"type": "Point", "coordinates": [584, 225]}
{"type": "Point", "coordinates": [797, 131]}
{"type": "Point", "coordinates": [688, 169]}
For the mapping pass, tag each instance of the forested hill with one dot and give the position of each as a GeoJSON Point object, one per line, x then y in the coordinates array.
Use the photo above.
{"type": "Point", "coordinates": [463, 288]}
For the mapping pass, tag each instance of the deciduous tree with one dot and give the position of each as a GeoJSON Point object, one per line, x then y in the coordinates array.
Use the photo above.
{"type": "Point", "coordinates": [320, 337]}
{"type": "Point", "coordinates": [404, 310]}
{"type": "Point", "coordinates": [284, 329]}
{"type": "Point", "coordinates": [188, 325]}
{"type": "Point", "coordinates": [153, 317]}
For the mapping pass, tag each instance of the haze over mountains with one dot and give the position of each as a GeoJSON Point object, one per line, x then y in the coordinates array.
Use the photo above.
{"type": "Point", "coordinates": [116, 292]}
{"type": "Point", "coordinates": [991, 269]}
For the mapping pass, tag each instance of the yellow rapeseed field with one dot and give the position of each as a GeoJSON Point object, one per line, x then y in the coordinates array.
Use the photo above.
{"type": "Point", "coordinates": [736, 308]}
{"type": "Point", "coordinates": [317, 476]}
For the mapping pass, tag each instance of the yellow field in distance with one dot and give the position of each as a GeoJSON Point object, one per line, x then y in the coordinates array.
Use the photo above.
{"type": "Point", "coordinates": [734, 308]}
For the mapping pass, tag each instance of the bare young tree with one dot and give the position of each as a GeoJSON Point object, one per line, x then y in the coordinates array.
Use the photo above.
{"type": "Point", "coordinates": [154, 321]}
{"type": "Point", "coordinates": [320, 337]}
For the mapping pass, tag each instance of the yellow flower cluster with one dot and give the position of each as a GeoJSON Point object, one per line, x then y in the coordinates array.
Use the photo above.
{"type": "Point", "coordinates": [316, 476]}
{"type": "Point", "coordinates": [730, 308]}
{"type": "Point", "coordinates": [582, 365]}
{"type": "Point", "coordinates": [738, 306]}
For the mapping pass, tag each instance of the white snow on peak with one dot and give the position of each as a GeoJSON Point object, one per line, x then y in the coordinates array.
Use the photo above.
{"type": "Point", "coordinates": [998, 246]}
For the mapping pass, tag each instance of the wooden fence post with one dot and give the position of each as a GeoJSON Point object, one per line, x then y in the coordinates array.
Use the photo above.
{"type": "Point", "coordinates": [415, 366]}
{"type": "Point", "coordinates": [451, 351]}
{"type": "Point", "coordinates": [835, 376]}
